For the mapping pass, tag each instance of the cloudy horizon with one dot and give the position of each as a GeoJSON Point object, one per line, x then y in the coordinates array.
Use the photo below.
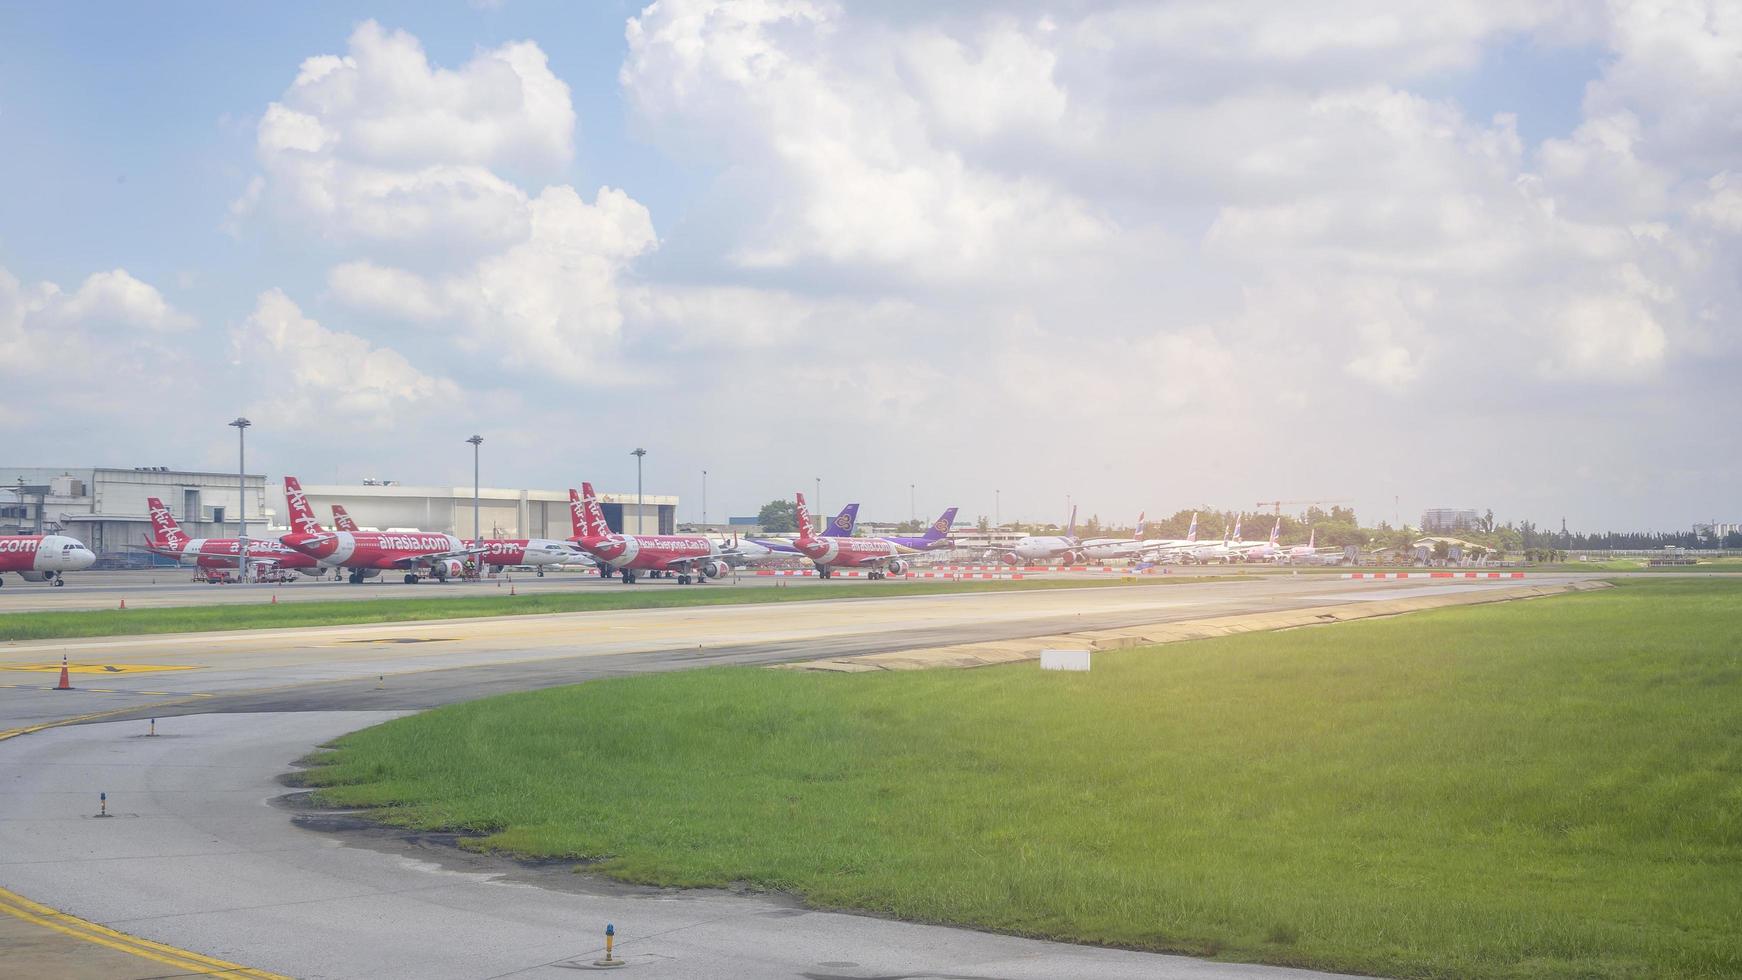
{"type": "Point", "coordinates": [1150, 256]}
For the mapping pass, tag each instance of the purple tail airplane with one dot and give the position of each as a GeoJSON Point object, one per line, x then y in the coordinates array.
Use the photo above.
{"type": "Point", "coordinates": [936, 536]}
{"type": "Point", "coordinates": [841, 527]}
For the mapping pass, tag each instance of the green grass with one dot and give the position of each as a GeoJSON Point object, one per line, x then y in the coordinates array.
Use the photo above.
{"type": "Point", "coordinates": [1639, 565]}
{"type": "Point", "coordinates": [232, 616]}
{"type": "Point", "coordinates": [1542, 789]}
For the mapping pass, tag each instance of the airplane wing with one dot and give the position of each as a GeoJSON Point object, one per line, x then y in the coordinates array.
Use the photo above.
{"type": "Point", "coordinates": [459, 554]}
{"type": "Point", "coordinates": [184, 557]}
{"type": "Point", "coordinates": [685, 562]}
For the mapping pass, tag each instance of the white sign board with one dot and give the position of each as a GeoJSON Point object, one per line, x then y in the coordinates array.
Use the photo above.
{"type": "Point", "coordinates": [1064, 660]}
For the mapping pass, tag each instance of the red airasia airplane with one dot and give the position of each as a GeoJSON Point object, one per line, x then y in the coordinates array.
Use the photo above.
{"type": "Point", "coordinates": [419, 554]}
{"type": "Point", "coordinates": [502, 552]}
{"type": "Point", "coordinates": [879, 554]}
{"type": "Point", "coordinates": [170, 540]}
{"type": "Point", "coordinates": [691, 556]}
{"type": "Point", "coordinates": [43, 557]}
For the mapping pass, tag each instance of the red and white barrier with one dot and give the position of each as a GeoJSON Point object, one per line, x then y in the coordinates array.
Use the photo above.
{"type": "Point", "coordinates": [1457, 575]}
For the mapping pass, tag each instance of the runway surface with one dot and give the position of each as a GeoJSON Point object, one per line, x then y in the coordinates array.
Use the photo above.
{"type": "Point", "coordinates": [199, 858]}
{"type": "Point", "coordinates": [169, 587]}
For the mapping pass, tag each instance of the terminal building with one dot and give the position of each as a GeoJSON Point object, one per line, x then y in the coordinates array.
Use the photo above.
{"type": "Point", "coordinates": [105, 506]}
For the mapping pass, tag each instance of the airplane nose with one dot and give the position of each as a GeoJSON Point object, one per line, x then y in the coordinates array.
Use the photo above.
{"type": "Point", "coordinates": [83, 558]}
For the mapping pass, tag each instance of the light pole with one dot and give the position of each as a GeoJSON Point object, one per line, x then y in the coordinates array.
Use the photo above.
{"type": "Point", "coordinates": [477, 532]}
{"type": "Point", "coordinates": [818, 502]}
{"type": "Point", "coordinates": [638, 453]}
{"type": "Point", "coordinates": [241, 424]}
{"type": "Point", "coordinates": [912, 513]}
{"type": "Point", "coordinates": [704, 500]}
{"type": "Point", "coordinates": [997, 521]}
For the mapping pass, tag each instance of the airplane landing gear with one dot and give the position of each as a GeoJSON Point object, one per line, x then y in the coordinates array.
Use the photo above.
{"type": "Point", "coordinates": [541, 571]}
{"type": "Point", "coordinates": [59, 581]}
{"type": "Point", "coordinates": [410, 578]}
{"type": "Point", "coordinates": [356, 577]}
{"type": "Point", "coordinates": [823, 571]}
{"type": "Point", "coordinates": [628, 577]}
{"type": "Point", "coordinates": [683, 579]}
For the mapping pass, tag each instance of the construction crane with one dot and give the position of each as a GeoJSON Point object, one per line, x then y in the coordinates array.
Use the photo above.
{"type": "Point", "coordinates": [1277, 505]}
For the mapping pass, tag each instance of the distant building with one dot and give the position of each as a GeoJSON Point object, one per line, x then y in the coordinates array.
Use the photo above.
{"type": "Point", "coordinates": [1450, 519]}
{"type": "Point", "coordinates": [1718, 530]}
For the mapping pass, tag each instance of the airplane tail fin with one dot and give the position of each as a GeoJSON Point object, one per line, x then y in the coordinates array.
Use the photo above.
{"type": "Point", "coordinates": [804, 519]}
{"type": "Point", "coordinates": [1142, 524]}
{"type": "Point", "coordinates": [596, 526]}
{"type": "Point", "coordinates": [844, 522]}
{"type": "Point", "coordinates": [1071, 530]}
{"type": "Point", "coordinates": [577, 514]}
{"type": "Point", "coordinates": [1312, 536]}
{"type": "Point", "coordinates": [1276, 532]}
{"type": "Point", "coordinates": [1192, 532]}
{"type": "Point", "coordinates": [941, 526]}
{"type": "Point", "coordinates": [302, 516]}
{"type": "Point", "coordinates": [1236, 530]}
{"type": "Point", "coordinates": [341, 520]}
{"type": "Point", "coordinates": [165, 531]}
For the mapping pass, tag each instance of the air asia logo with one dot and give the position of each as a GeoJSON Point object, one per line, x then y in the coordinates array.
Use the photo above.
{"type": "Point", "coordinates": [411, 542]}
{"type": "Point", "coordinates": [843, 522]}
{"type": "Point", "coordinates": [299, 510]}
{"type": "Point", "coordinates": [19, 546]}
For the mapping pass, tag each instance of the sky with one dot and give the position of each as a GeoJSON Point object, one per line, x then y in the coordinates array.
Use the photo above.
{"type": "Point", "coordinates": [1139, 256]}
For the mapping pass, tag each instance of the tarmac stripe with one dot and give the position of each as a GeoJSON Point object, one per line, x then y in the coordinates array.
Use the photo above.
{"type": "Point", "coordinates": [93, 716]}
{"type": "Point", "coordinates": [23, 908]}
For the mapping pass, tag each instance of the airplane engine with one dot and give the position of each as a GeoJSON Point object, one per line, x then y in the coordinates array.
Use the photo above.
{"type": "Point", "coordinates": [898, 566]}
{"type": "Point", "coordinates": [37, 576]}
{"type": "Point", "coordinates": [1074, 558]}
{"type": "Point", "coordinates": [713, 569]}
{"type": "Point", "coordinates": [449, 568]}
{"type": "Point", "coordinates": [1012, 558]}
{"type": "Point", "coordinates": [315, 572]}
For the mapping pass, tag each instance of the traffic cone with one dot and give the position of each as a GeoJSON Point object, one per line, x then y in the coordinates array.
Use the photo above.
{"type": "Point", "coordinates": [123, 603]}
{"type": "Point", "coordinates": [66, 682]}
{"type": "Point", "coordinates": [511, 587]}
{"type": "Point", "coordinates": [275, 598]}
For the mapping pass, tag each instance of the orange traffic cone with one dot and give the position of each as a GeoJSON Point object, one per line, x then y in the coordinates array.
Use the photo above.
{"type": "Point", "coordinates": [66, 682]}
{"type": "Point", "coordinates": [123, 603]}
{"type": "Point", "coordinates": [275, 598]}
{"type": "Point", "coordinates": [511, 587]}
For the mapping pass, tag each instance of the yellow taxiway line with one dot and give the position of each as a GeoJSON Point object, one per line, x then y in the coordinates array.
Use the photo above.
{"type": "Point", "coordinates": [35, 913]}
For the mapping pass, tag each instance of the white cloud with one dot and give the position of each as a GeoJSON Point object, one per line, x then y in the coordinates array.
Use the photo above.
{"type": "Point", "coordinates": [1722, 206]}
{"type": "Point", "coordinates": [378, 145]}
{"type": "Point", "coordinates": [824, 127]}
{"type": "Point", "coordinates": [41, 325]}
{"type": "Point", "coordinates": [1611, 336]}
{"type": "Point", "coordinates": [549, 304]}
{"type": "Point", "coordinates": [71, 360]}
{"type": "Point", "coordinates": [329, 375]}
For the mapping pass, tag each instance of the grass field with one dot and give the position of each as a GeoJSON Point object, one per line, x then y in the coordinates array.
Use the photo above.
{"type": "Point", "coordinates": [1536, 789]}
{"type": "Point", "coordinates": [231, 616]}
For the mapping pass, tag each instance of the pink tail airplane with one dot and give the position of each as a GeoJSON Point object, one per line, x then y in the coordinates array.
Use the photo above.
{"type": "Point", "coordinates": [692, 557]}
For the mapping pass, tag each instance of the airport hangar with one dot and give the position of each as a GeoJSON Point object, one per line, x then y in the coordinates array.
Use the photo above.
{"type": "Point", "coordinates": [105, 506]}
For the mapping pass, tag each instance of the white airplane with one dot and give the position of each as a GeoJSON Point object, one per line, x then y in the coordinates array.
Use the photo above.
{"type": "Point", "coordinates": [1227, 549]}
{"type": "Point", "coordinates": [1065, 547]}
{"type": "Point", "coordinates": [1303, 552]}
{"type": "Point", "coordinates": [1267, 551]}
{"type": "Point", "coordinates": [1104, 549]}
{"type": "Point", "coordinates": [1166, 550]}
